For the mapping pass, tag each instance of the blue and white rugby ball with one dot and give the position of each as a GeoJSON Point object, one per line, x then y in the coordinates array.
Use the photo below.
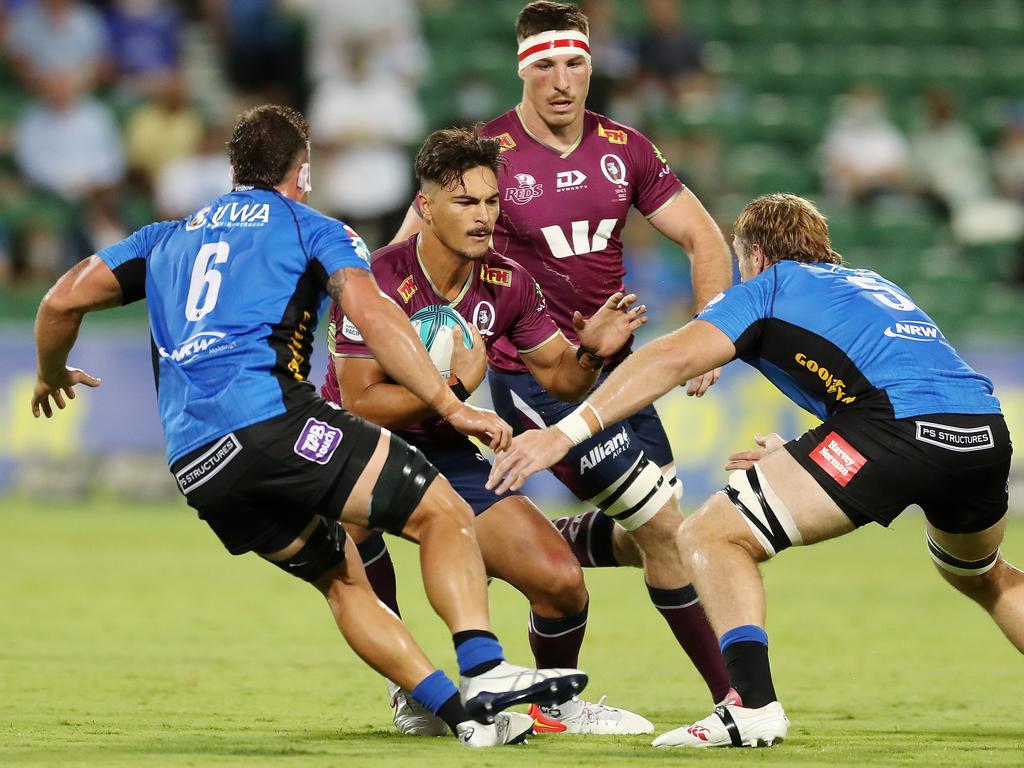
{"type": "Point", "coordinates": [435, 324]}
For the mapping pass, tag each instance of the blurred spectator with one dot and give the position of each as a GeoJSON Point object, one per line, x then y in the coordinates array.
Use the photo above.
{"type": "Point", "coordinates": [67, 142]}
{"type": "Point", "coordinates": [948, 162]}
{"type": "Point", "coordinates": [952, 172]}
{"type": "Point", "coordinates": [670, 53]}
{"type": "Point", "coordinates": [146, 39]}
{"type": "Point", "coordinates": [1008, 156]}
{"type": "Point", "coordinates": [163, 128]}
{"type": "Point", "coordinates": [865, 155]}
{"type": "Point", "coordinates": [262, 53]}
{"type": "Point", "coordinates": [187, 183]}
{"type": "Point", "coordinates": [361, 164]}
{"type": "Point", "coordinates": [386, 30]}
{"type": "Point", "coordinates": [615, 58]}
{"type": "Point", "coordinates": [50, 37]}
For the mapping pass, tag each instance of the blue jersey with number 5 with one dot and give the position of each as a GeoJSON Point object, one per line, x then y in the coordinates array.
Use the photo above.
{"type": "Point", "coordinates": [835, 338]}
{"type": "Point", "coordinates": [234, 294]}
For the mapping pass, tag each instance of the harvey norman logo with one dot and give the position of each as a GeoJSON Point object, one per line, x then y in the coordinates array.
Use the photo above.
{"type": "Point", "coordinates": [602, 451]}
{"type": "Point", "coordinates": [194, 346]}
{"type": "Point", "coordinates": [913, 331]}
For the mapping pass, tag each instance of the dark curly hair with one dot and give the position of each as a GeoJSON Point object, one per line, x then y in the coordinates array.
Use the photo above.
{"type": "Point", "coordinates": [543, 16]}
{"type": "Point", "coordinates": [265, 143]}
{"type": "Point", "coordinates": [448, 153]}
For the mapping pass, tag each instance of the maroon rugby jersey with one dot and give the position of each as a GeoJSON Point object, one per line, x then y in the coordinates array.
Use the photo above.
{"type": "Point", "coordinates": [499, 298]}
{"type": "Point", "coordinates": [562, 213]}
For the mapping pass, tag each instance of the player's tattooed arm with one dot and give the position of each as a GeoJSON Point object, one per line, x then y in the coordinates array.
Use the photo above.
{"type": "Point", "coordinates": [397, 347]}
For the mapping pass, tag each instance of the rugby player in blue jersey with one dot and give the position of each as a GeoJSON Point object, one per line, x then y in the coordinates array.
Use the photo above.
{"type": "Point", "coordinates": [234, 293]}
{"type": "Point", "coordinates": [904, 421]}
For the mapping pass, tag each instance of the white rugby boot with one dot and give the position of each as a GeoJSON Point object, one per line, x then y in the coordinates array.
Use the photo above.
{"type": "Point", "coordinates": [731, 726]}
{"type": "Point", "coordinates": [579, 716]}
{"type": "Point", "coordinates": [507, 728]}
{"type": "Point", "coordinates": [411, 717]}
{"type": "Point", "coordinates": [507, 685]}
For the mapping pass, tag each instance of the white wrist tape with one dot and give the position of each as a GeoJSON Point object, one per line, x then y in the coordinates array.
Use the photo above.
{"type": "Point", "coordinates": [575, 425]}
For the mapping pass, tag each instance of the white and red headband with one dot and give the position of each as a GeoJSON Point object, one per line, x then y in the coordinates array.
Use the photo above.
{"type": "Point", "coordinates": [555, 42]}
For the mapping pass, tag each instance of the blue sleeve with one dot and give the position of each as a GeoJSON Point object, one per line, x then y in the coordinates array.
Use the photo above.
{"type": "Point", "coordinates": [127, 259]}
{"type": "Point", "coordinates": [738, 312]}
{"type": "Point", "coordinates": [337, 246]}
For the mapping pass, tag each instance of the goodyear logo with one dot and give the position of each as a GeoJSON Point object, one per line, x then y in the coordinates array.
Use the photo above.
{"type": "Point", "coordinates": [407, 289]}
{"type": "Point", "coordinates": [614, 135]}
{"type": "Point", "coordinates": [496, 275]}
{"type": "Point", "coordinates": [834, 386]}
{"type": "Point", "coordinates": [505, 142]}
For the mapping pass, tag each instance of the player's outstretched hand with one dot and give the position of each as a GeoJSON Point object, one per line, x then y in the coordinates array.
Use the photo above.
{"type": "Point", "coordinates": [486, 426]}
{"type": "Point", "coordinates": [698, 386]}
{"type": "Point", "coordinates": [530, 452]}
{"type": "Point", "coordinates": [746, 459]}
{"type": "Point", "coordinates": [470, 365]}
{"type": "Point", "coordinates": [608, 329]}
{"type": "Point", "coordinates": [63, 386]}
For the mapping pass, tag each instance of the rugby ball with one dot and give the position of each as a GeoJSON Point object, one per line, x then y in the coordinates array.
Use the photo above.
{"type": "Point", "coordinates": [435, 324]}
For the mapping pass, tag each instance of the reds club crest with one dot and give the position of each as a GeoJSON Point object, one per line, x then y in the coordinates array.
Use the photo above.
{"type": "Point", "coordinates": [527, 189]}
{"type": "Point", "coordinates": [483, 318]}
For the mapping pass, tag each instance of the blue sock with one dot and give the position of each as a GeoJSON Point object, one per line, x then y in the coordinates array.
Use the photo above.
{"type": "Point", "coordinates": [744, 633]}
{"type": "Point", "coordinates": [434, 690]}
{"type": "Point", "coordinates": [477, 649]}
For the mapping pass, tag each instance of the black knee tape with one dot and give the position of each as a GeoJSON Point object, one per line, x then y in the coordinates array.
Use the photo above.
{"type": "Point", "coordinates": [404, 479]}
{"type": "Point", "coordinates": [323, 550]}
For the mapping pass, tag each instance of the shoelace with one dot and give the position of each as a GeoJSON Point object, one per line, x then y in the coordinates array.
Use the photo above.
{"type": "Point", "coordinates": [593, 711]}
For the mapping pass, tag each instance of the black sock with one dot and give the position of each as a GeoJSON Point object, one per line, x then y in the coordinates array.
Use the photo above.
{"type": "Point", "coordinates": [750, 673]}
{"type": "Point", "coordinates": [453, 713]}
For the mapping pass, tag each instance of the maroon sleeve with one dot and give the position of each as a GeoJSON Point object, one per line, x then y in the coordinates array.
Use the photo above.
{"type": "Point", "coordinates": [343, 338]}
{"type": "Point", "coordinates": [656, 183]}
{"type": "Point", "coordinates": [534, 326]}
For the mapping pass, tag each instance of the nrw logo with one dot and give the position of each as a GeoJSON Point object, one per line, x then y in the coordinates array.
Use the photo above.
{"type": "Point", "coordinates": [566, 180]}
{"type": "Point", "coordinates": [192, 347]}
{"type": "Point", "coordinates": [527, 190]}
{"type": "Point", "coordinates": [913, 331]}
{"type": "Point", "coordinates": [602, 451]}
{"type": "Point", "coordinates": [581, 242]}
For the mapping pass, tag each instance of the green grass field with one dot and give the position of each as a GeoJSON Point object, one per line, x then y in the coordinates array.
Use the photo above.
{"type": "Point", "coordinates": [129, 637]}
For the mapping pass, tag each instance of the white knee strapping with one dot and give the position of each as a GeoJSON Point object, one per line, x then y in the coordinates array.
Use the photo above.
{"type": "Point", "coordinates": [955, 565]}
{"type": "Point", "coordinates": [669, 472]}
{"type": "Point", "coordinates": [636, 496]}
{"type": "Point", "coordinates": [768, 518]}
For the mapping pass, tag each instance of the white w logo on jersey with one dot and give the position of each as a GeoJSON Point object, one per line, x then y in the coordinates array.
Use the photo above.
{"type": "Point", "coordinates": [581, 242]}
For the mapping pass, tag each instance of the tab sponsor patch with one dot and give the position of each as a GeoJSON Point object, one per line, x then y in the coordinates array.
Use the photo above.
{"type": "Point", "coordinates": [318, 441]}
{"type": "Point", "coordinates": [838, 458]}
{"type": "Point", "coordinates": [955, 438]}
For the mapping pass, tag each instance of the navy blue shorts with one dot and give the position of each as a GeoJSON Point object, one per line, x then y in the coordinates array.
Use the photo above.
{"type": "Point", "coordinates": [595, 465]}
{"type": "Point", "coordinates": [462, 465]}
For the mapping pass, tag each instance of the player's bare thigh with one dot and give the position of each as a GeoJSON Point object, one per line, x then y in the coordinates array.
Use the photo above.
{"type": "Point", "coordinates": [521, 546]}
{"type": "Point", "coordinates": [813, 512]}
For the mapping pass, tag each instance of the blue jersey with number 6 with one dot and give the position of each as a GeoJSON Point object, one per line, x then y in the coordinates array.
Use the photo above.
{"type": "Point", "coordinates": [834, 338]}
{"type": "Point", "coordinates": [234, 294]}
